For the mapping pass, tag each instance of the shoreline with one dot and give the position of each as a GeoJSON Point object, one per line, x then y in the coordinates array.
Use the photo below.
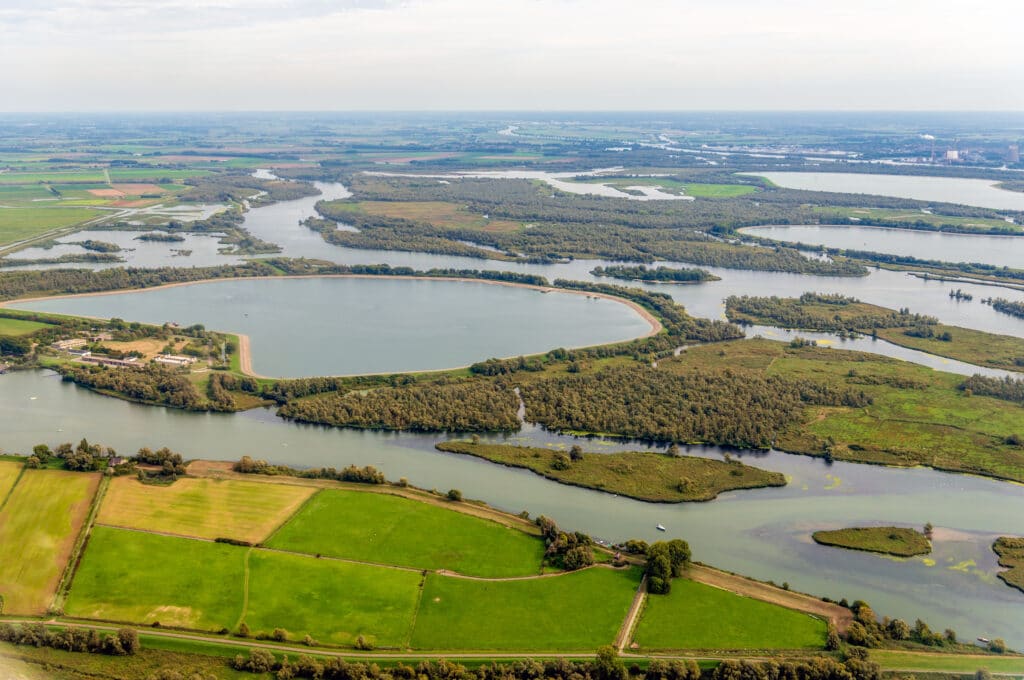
{"type": "Point", "coordinates": [245, 343]}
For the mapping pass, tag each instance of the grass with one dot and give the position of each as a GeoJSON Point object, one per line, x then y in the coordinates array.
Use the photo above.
{"type": "Point", "coordinates": [18, 224]}
{"type": "Point", "coordinates": [142, 578]}
{"type": "Point", "coordinates": [576, 611]}
{"type": "Point", "coordinates": [909, 217]}
{"type": "Point", "coordinates": [19, 326]}
{"type": "Point", "coordinates": [204, 508]}
{"type": "Point", "coordinates": [952, 663]}
{"type": "Point", "coordinates": [698, 616]}
{"type": "Point", "coordinates": [674, 186]}
{"type": "Point", "coordinates": [9, 472]}
{"type": "Point", "coordinates": [1011, 556]}
{"type": "Point", "coordinates": [969, 345]}
{"type": "Point", "coordinates": [438, 213]}
{"type": "Point", "coordinates": [645, 476]}
{"type": "Point", "coordinates": [918, 416]}
{"type": "Point", "coordinates": [898, 541]}
{"type": "Point", "coordinates": [333, 601]}
{"type": "Point", "coordinates": [387, 529]}
{"type": "Point", "coordinates": [39, 523]}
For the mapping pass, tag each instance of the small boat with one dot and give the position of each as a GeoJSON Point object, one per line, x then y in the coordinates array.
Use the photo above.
{"type": "Point", "coordinates": [983, 641]}
{"type": "Point", "coordinates": [660, 527]}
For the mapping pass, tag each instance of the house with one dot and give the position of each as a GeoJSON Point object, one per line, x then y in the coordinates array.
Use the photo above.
{"type": "Point", "coordinates": [174, 360]}
{"type": "Point", "coordinates": [79, 352]}
{"type": "Point", "coordinates": [72, 343]}
{"type": "Point", "coordinates": [130, 362]}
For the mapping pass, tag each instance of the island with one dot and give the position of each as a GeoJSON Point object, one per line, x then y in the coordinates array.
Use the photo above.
{"type": "Point", "coordinates": [896, 541]}
{"type": "Point", "coordinates": [1011, 555]}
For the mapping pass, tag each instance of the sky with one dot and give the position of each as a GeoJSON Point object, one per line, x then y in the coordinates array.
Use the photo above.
{"type": "Point", "coordinates": [341, 55]}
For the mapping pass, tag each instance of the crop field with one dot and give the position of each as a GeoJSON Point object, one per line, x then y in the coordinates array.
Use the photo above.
{"type": "Point", "coordinates": [17, 224]}
{"type": "Point", "coordinates": [9, 471]}
{"type": "Point", "coordinates": [204, 508]}
{"type": "Point", "coordinates": [52, 176]}
{"type": "Point", "coordinates": [576, 611]}
{"type": "Point", "coordinates": [387, 529]}
{"type": "Point", "coordinates": [143, 578]}
{"type": "Point", "coordinates": [437, 213]}
{"type": "Point", "coordinates": [698, 616]}
{"type": "Point", "coordinates": [39, 524]}
{"type": "Point", "coordinates": [333, 601]}
{"type": "Point", "coordinates": [19, 326]}
{"type": "Point", "coordinates": [950, 663]}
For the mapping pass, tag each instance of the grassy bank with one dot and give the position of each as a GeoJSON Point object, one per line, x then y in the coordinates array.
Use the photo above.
{"type": "Point", "coordinates": [898, 541]}
{"type": "Point", "coordinates": [1011, 556]}
{"type": "Point", "coordinates": [641, 475]}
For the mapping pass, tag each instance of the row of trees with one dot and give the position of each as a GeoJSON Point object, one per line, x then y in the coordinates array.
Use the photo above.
{"type": "Point", "coordinates": [724, 407]}
{"type": "Point", "coordinates": [642, 273]}
{"type": "Point", "coordinates": [363, 475]}
{"type": "Point", "coordinates": [125, 642]}
{"type": "Point", "coordinates": [1008, 307]}
{"type": "Point", "coordinates": [151, 384]}
{"type": "Point", "coordinates": [1006, 388]}
{"type": "Point", "coordinates": [566, 550]}
{"type": "Point", "coordinates": [814, 311]}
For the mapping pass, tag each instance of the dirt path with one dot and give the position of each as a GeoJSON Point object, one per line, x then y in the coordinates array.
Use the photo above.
{"type": "Point", "coordinates": [626, 631]}
{"type": "Point", "coordinates": [840, 617]}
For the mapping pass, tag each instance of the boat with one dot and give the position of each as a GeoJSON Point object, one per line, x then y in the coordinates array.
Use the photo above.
{"type": "Point", "coordinates": [660, 527]}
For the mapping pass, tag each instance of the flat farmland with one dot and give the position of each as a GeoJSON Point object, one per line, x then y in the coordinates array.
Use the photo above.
{"type": "Point", "coordinates": [19, 326]}
{"type": "Point", "coordinates": [577, 611]}
{"type": "Point", "coordinates": [143, 578]}
{"type": "Point", "coordinates": [39, 523]}
{"type": "Point", "coordinates": [17, 224]}
{"type": "Point", "coordinates": [9, 471]}
{"type": "Point", "coordinates": [333, 601]}
{"type": "Point", "coordinates": [386, 529]}
{"type": "Point", "coordinates": [698, 616]}
{"type": "Point", "coordinates": [438, 213]}
{"type": "Point", "coordinates": [204, 508]}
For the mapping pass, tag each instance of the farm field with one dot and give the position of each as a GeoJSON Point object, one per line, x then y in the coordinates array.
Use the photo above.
{"type": "Point", "coordinates": [388, 529]}
{"type": "Point", "coordinates": [577, 611]}
{"type": "Point", "coordinates": [17, 224]}
{"type": "Point", "coordinates": [950, 663]}
{"type": "Point", "coordinates": [204, 508]}
{"type": "Point", "coordinates": [176, 581]}
{"type": "Point", "coordinates": [438, 213]}
{"type": "Point", "coordinates": [698, 616]}
{"type": "Point", "coordinates": [39, 524]}
{"type": "Point", "coordinates": [19, 326]}
{"type": "Point", "coordinates": [9, 472]}
{"type": "Point", "coordinates": [333, 601]}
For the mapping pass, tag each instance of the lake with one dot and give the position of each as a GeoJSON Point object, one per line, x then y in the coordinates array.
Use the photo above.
{"type": "Point", "coordinates": [980, 193]}
{"type": "Point", "coordinates": [764, 533]}
{"type": "Point", "coordinates": [340, 326]}
{"type": "Point", "coordinates": [1002, 251]}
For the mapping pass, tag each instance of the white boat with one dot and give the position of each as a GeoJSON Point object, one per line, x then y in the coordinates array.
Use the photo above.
{"type": "Point", "coordinates": [660, 527]}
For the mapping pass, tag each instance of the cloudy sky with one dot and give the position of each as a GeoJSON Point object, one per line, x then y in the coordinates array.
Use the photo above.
{"type": "Point", "coordinates": [81, 55]}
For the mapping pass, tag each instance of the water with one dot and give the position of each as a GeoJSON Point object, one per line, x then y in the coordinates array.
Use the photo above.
{"type": "Point", "coordinates": [981, 193]}
{"type": "Point", "coordinates": [1002, 251]}
{"type": "Point", "coordinates": [764, 533]}
{"type": "Point", "coordinates": [342, 326]}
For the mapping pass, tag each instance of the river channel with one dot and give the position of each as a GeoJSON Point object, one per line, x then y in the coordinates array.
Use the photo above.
{"type": "Point", "coordinates": [763, 533]}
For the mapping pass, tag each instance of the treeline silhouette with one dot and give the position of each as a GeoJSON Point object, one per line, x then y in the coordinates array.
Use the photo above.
{"type": "Point", "coordinates": [642, 273]}
{"type": "Point", "coordinates": [1006, 388]}
{"type": "Point", "coordinates": [794, 313]}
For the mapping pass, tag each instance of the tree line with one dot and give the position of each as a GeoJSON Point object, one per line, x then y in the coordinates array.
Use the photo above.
{"type": "Point", "coordinates": [124, 642]}
{"type": "Point", "coordinates": [1005, 388]}
{"type": "Point", "coordinates": [364, 475]}
{"type": "Point", "coordinates": [849, 315]}
{"type": "Point", "coordinates": [663, 274]}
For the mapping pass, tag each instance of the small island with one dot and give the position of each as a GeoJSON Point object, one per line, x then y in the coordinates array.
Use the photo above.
{"type": "Point", "coordinates": [1011, 555]}
{"type": "Point", "coordinates": [645, 476]}
{"type": "Point", "coordinates": [658, 275]}
{"type": "Point", "coordinates": [897, 541]}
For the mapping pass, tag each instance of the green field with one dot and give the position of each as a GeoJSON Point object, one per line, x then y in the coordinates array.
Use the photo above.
{"type": "Point", "coordinates": [19, 326]}
{"type": "Point", "coordinates": [974, 347]}
{"type": "Point", "coordinates": [646, 476]}
{"type": "Point", "coordinates": [39, 525]}
{"type": "Point", "coordinates": [950, 663]}
{"type": "Point", "coordinates": [51, 176]}
{"type": "Point", "coordinates": [333, 601]}
{"type": "Point", "coordinates": [205, 508]}
{"type": "Point", "coordinates": [898, 541]}
{"type": "Point", "coordinates": [387, 529]}
{"type": "Point", "coordinates": [9, 472]}
{"type": "Point", "coordinates": [697, 616]}
{"type": "Point", "coordinates": [576, 611]}
{"type": "Point", "coordinates": [143, 578]}
{"type": "Point", "coordinates": [17, 224]}
{"type": "Point", "coordinates": [674, 186]}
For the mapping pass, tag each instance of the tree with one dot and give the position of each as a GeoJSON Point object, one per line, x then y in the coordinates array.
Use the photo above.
{"type": "Point", "coordinates": [998, 646]}
{"type": "Point", "coordinates": [576, 452]}
{"type": "Point", "coordinates": [832, 641]}
{"type": "Point", "coordinates": [454, 495]}
{"type": "Point", "coordinates": [129, 639]}
{"type": "Point", "coordinates": [243, 630]}
{"type": "Point", "coordinates": [608, 666]}
{"type": "Point", "coordinates": [561, 462]}
{"type": "Point", "coordinates": [928, 530]}
{"type": "Point", "coordinates": [898, 630]}
{"type": "Point", "coordinates": [42, 452]}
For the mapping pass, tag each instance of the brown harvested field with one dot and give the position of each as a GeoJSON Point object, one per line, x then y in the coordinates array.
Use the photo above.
{"type": "Point", "coordinates": [138, 189]}
{"type": "Point", "coordinates": [202, 508]}
{"type": "Point", "coordinates": [149, 347]}
{"type": "Point", "coordinates": [9, 471]}
{"type": "Point", "coordinates": [40, 523]}
{"type": "Point", "coordinates": [107, 193]}
{"type": "Point", "coordinates": [438, 213]}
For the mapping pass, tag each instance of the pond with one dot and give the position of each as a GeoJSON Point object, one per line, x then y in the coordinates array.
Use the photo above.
{"type": "Point", "coordinates": [302, 327]}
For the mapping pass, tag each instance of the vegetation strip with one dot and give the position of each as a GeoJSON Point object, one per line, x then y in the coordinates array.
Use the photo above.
{"type": "Point", "coordinates": [898, 541]}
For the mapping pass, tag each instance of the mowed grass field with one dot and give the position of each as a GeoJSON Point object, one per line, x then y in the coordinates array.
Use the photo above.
{"type": "Point", "coordinates": [333, 601]}
{"type": "Point", "coordinates": [17, 224]}
{"type": "Point", "coordinates": [577, 611]}
{"type": "Point", "coordinates": [9, 471]}
{"type": "Point", "coordinates": [39, 524]}
{"type": "Point", "coordinates": [19, 326]}
{"type": "Point", "coordinates": [697, 616]}
{"type": "Point", "coordinates": [205, 508]}
{"type": "Point", "coordinates": [386, 529]}
{"type": "Point", "coordinates": [439, 213]}
{"type": "Point", "coordinates": [142, 578]}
